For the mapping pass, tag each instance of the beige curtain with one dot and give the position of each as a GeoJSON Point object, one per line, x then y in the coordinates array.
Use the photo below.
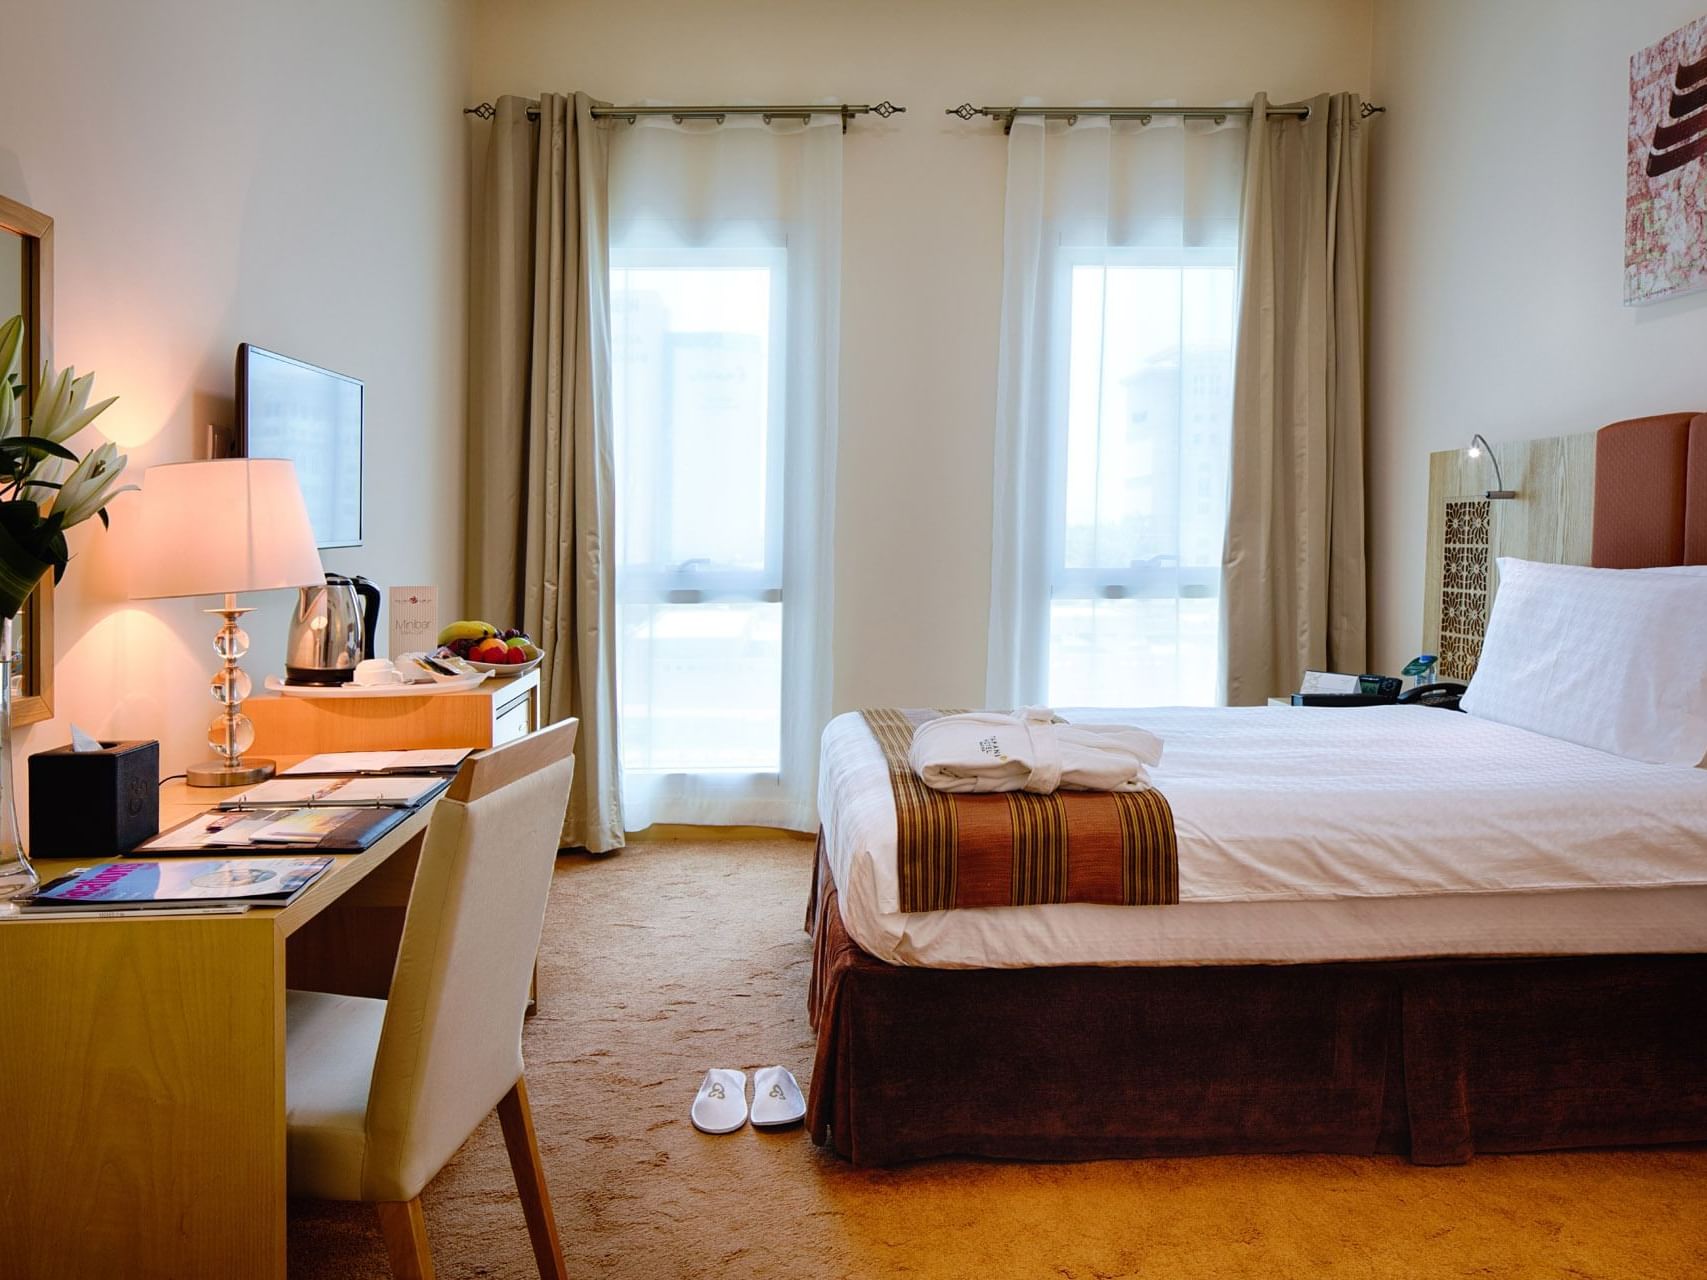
{"type": "Point", "coordinates": [1295, 586]}
{"type": "Point", "coordinates": [541, 536]}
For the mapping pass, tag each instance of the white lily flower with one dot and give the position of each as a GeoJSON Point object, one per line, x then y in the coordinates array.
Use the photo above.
{"type": "Point", "coordinates": [50, 392]}
{"type": "Point", "coordinates": [76, 397]}
{"type": "Point", "coordinates": [73, 412]}
{"type": "Point", "coordinates": [11, 339]}
{"type": "Point", "coordinates": [63, 409]}
{"type": "Point", "coordinates": [89, 487]}
{"type": "Point", "coordinates": [8, 409]}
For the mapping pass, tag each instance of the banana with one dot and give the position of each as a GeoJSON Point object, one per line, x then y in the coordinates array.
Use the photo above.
{"type": "Point", "coordinates": [467, 631]}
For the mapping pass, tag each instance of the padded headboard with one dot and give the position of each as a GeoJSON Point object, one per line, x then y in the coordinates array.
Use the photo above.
{"type": "Point", "coordinates": [1632, 495]}
{"type": "Point", "coordinates": [1650, 492]}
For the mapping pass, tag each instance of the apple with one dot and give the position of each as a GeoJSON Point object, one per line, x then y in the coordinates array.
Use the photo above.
{"type": "Point", "coordinates": [515, 655]}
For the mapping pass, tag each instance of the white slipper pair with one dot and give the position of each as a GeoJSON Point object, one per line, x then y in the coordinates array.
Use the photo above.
{"type": "Point", "coordinates": [720, 1106]}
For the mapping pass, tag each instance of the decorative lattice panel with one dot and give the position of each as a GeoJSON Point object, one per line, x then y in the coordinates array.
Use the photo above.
{"type": "Point", "coordinates": [1464, 587]}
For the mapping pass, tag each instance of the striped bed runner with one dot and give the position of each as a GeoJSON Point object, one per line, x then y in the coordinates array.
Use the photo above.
{"type": "Point", "coordinates": [1018, 849]}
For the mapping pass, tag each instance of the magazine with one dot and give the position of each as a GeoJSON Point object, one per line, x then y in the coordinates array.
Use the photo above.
{"type": "Point", "coordinates": [261, 882]}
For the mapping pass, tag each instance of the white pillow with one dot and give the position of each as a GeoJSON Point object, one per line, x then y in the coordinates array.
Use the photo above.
{"type": "Point", "coordinates": [1609, 658]}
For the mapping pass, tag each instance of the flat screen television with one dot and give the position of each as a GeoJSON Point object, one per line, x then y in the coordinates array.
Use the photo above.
{"type": "Point", "coordinates": [290, 409]}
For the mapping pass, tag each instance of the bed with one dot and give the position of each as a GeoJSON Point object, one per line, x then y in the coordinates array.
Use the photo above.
{"type": "Point", "coordinates": [1398, 929]}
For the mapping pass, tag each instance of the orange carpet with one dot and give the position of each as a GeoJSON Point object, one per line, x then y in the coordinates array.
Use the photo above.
{"type": "Point", "coordinates": [674, 957]}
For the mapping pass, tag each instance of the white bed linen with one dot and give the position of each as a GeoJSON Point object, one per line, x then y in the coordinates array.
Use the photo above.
{"type": "Point", "coordinates": [1312, 834]}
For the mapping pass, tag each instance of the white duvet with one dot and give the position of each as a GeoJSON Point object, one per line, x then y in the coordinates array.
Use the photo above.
{"type": "Point", "coordinates": [1312, 833]}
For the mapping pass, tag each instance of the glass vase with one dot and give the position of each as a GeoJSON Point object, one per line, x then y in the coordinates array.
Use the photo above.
{"type": "Point", "coordinates": [17, 876]}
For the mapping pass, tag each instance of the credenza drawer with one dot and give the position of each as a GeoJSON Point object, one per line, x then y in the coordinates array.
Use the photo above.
{"type": "Point", "coordinates": [515, 719]}
{"type": "Point", "coordinates": [498, 711]}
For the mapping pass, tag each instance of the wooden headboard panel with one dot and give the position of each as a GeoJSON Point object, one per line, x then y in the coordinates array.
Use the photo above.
{"type": "Point", "coordinates": [1650, 492]}
{"type": "Point", "coordinates": [1631, 495]}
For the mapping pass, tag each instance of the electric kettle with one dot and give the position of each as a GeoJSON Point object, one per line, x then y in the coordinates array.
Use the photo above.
{"type": "Point", "coordinates": [331, 630]}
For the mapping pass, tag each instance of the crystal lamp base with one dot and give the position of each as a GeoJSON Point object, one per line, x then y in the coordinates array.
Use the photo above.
{"type": "Point", "coordinates": [231, 733]}
{"type": "Point", "coordinates": [220, 773]}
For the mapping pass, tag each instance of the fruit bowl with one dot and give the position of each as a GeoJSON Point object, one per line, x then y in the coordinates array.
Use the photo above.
{"type": "Point", "coordinates": [480, 646]}
{"type": "Point", "coordinates": [506, 668]}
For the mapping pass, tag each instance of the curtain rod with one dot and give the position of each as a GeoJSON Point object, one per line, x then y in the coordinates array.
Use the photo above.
{"type": "Point", "coordinates": [846, 110]}
{"type": "Point", "coordinates": [966, 111]}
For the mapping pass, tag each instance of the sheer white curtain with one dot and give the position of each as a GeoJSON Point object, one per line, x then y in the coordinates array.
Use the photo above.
{"type": "Point", "coordinates": [1114, 410]}
{"type": "Point", "coordinates": [725, 297]}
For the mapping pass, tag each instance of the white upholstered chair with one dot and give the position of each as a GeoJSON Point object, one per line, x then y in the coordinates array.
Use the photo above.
{"type": "Point", "coordinates": [379, 1094]}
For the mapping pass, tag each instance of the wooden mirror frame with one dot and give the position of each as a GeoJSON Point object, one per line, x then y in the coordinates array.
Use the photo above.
{"type": "Point", "coordinates": [35, 703]}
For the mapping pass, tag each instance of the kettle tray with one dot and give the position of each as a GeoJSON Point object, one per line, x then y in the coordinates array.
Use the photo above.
{"type": "Point", "coordinates": [461, 684]}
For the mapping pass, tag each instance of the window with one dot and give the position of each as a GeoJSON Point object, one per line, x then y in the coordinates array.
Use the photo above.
{"type": "Point", "coordinates": [724, 278]}
{"type": "Point", "coordinates": [697, 374]}
{"type": "Point", "coordinates": [1143, 421]}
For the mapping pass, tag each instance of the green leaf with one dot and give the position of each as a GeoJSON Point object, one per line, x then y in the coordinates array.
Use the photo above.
{"type": "Point", "coordinates": [36, 447]}
{"type": "Point", "coordinates": [20, 517]}
{"type": "Point", "coordinates": [23, 561]}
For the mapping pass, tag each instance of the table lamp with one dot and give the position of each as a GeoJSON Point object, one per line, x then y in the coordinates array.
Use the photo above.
{"type": "Point", "coordinates": [219, 528]}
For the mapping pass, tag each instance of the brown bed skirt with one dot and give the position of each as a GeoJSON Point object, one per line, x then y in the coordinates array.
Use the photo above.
{"type": "Point", "coordinates": [1435, 1059]}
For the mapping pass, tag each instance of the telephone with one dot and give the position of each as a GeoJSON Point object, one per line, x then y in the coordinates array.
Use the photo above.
{"type": "Point", "coordinates": [1443, 694]}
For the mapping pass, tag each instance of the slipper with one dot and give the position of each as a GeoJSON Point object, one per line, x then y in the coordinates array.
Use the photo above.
{"type": "Point", "coordinates": [721, 1104]}
{"type": "Point", "coordinates": [777, 1099]}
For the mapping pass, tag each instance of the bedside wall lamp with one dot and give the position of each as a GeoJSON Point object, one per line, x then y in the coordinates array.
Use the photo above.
{"type": "Point", "coordinates": [1478, 443]}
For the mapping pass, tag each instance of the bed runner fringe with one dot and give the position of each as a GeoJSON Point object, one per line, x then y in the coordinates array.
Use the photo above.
{"type": "Point", "coordinates": [1018, 849]}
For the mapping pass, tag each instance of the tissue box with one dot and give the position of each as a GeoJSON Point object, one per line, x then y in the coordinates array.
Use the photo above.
{"type": "Point", "coordinates": [94, 804]}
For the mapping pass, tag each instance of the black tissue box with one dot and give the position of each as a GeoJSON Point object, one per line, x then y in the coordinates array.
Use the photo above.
{"type": "Point", "coordinates": [94, 804]}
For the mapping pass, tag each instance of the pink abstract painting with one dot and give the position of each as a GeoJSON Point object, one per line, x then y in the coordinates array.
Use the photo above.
{"type": "Point", "coordinates": [1665, 212]}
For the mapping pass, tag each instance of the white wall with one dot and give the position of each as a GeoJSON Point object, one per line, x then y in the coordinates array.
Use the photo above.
{"type": "Point", "coordinates": [1498, 234]}
{"type": "Point", "coordinates": [289, 174]}
{"type": "Point", "coordinates": [922, 231]}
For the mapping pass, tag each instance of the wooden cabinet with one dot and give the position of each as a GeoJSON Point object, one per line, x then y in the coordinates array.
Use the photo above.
{"type": "Point", "coordinates": [499, 711]}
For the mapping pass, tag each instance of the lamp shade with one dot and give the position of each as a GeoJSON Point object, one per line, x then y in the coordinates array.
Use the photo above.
{"type": "Point", "coordinates": [229, 525]}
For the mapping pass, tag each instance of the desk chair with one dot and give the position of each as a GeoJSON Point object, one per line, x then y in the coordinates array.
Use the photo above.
{"type": "Point", "coordinates": [379, 1094]}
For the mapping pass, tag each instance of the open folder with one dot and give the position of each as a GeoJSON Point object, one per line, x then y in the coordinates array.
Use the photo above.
{"type": "Point", "coordinates": [346, 763]}
{"type": "Point", "coordinates": [325, 829]}
{"type": "Point", "coordinates": [390, 791]}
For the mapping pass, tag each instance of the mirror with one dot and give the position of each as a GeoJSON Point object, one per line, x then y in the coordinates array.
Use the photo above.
{"type": "Point", "coordinates": [26, 289]}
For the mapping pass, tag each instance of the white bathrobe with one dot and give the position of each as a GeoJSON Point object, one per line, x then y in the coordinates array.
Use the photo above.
{"type": "Point", "coordinates": [1031, 751]}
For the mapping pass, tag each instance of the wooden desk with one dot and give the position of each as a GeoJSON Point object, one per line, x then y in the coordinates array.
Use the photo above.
{"type": "Point", "coordinates": [144, 1132]}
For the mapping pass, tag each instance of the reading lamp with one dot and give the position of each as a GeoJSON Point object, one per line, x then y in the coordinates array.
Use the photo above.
{"type": "Point", "coordinates": [1478, 443]}
{"type": "Point", "coordinates": [218, 528]}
